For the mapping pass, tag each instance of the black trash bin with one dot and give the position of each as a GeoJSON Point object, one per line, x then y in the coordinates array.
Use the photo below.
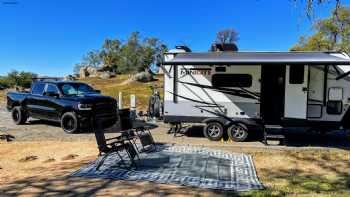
{"type": "Point", "coordinates": [125, 119]}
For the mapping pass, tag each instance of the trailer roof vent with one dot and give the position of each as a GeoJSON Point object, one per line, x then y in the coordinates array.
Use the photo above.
{"type": "Point", "coordinates": [183, 47]}
{"type": "Point", "coordinates": [224, 47]}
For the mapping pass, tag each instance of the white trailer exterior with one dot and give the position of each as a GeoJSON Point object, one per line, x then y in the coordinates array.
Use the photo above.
{"type": "Point", "coordinates": [253, 89]}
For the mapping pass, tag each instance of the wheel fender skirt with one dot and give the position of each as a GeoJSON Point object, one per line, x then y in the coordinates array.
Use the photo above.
{"type": "Point", "coordinates": [226, 122]}
{"type": "Point", "coordinates": [223, 121]}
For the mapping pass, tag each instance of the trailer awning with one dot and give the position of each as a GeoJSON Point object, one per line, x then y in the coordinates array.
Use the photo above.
{"type": "Point", "coordinates": [258, 58]}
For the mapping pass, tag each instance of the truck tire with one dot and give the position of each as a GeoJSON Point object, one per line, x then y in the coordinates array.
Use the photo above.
{"type": "Point", "coordinates": [213, 131]}
{"type": "Point", "coordinates": [19, 116]}
{"type": "Point", "coordinates": [69, 122]}
{"type": "Point", "coordinates": [238, 132]}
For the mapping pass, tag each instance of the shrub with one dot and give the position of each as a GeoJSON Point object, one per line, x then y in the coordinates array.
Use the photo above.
{"type": "Point", "coordinates": [19, 79]}
{"type": "Point", "coordinates": [4, 83]}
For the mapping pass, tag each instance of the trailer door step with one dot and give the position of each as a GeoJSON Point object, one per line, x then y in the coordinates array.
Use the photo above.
{"type": "Point", "coordinates": [274, 132]}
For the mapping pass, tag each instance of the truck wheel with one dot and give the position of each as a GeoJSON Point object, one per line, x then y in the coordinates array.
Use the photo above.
{"type": "Point", "coordinates": [213, 131]}
{"type": "Point", "coordinates": [69, 122]}
{"type": "Point", "coordinates": [238, 132]}
{"type": "Point", "coordinates": [18, 115]}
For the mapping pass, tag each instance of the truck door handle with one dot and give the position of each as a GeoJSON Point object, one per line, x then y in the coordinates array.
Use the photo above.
{"type": "Point", "coordinates": [305, 89]}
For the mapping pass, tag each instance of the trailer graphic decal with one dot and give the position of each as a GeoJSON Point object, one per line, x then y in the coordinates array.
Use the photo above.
{"type": "Point", "coordinates": [196, 101]}
{"type": "Point", "coordinates": [205, 103]}
{"type": "Point", "coordinates": [240, 93]}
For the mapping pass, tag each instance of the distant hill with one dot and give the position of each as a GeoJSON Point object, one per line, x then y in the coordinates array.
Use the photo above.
{"type": "Point", "coordinates": [122, 83]}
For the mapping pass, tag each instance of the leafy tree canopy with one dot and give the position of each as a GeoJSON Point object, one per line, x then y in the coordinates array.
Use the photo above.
{"type": "Point", "coordinates": [17, 79]}
{"type": "Point", "coordinates": [332, 33]}
{"type": "Point", "coordinates": [310, 5]}
{"type": "Point", "coordinates": [133, 55]}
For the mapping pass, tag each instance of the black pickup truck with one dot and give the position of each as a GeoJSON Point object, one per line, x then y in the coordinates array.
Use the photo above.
{"type": "Point", "coordinates": [73, 104]}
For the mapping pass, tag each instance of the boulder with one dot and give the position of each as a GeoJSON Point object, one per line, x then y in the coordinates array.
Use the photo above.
{"type": "Point", "coordinates": [92, 71]}
{"type": "Point", "coordinates": [69, 78]}
{"type": "Point", "coordinates": [88, 71]}
{"type": "Point", "coordinates": [104, 75]}
{"type": "Point", "coordinates": [143, 77]}
{"type": "Point", "coordinates": [83, 73]}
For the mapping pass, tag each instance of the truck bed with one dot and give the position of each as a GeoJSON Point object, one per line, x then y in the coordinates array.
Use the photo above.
{"type": "Point", "coordinates": [14, 98]}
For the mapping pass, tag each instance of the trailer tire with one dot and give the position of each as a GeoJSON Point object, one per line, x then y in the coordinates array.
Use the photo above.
{"type": "Point", "coordinates": [238, 132]}
{"type": "Point", "coordinates": [70, 123]}
{"type": "Point", "coordinates": [19, 116]}
{"type": "Point", "coordinates": [213, 131]}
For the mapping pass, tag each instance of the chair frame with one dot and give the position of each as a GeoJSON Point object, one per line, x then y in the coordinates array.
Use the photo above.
{"type": "Point", "coordinates": [114, 145]}
{"type": "Point", "coordinates": [141, 132]}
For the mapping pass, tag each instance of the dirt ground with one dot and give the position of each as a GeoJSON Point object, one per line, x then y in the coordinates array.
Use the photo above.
{"type": "Point", "coordinates": [43, 167]}
{"type": "Point", "coordinates": [41, 158]}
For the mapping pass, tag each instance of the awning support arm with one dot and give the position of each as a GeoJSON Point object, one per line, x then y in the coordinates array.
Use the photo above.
{"type": "Point", "coordinates": [336, 69]}
{"type": "Point", "coordinates": [343, 75]}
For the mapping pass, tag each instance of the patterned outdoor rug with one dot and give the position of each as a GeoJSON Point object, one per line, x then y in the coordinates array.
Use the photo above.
{"type": "Point", "coordinates": [184, 165]}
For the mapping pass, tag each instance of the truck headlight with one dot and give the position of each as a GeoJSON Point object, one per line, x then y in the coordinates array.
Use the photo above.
{"type": "Point", "coordinates": [84, 106]}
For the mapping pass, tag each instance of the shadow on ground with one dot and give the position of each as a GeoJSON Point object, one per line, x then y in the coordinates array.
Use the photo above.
{"type": "Point", "coordinates": [43, 122]}
{"type": "Point", "coordinates": [60, 183]}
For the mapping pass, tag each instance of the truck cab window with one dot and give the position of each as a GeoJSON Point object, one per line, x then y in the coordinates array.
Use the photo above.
{"type": "Point", "coordinates": [52, 89]}
{"type": "Point", "coordinates": [38, 88]}
{"type": "Point", "coordinates": [72, 89]}
{"type": "Point", "coordinates": [296, 74]}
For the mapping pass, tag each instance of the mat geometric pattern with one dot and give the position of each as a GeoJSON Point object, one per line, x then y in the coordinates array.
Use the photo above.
{"type": "Point", "coordinates": [183, 165]}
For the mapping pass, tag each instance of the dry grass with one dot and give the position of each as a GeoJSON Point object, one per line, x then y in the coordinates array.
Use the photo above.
{"type": "Point", "coordinates": [121, 83]}
{"type": "Point", "coordinates": [2, 96]}
{"type": "Point", "coordinates": [303, 173]}
{"type": "Point", "coordinates": [283, 172]}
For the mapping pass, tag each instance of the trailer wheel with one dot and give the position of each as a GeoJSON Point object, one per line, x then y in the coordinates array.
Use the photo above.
{"type": "Point", "coordinates": [238, 132]}
{"type": "Point", "coordinates": [213, 131]}
{"type": "Point", "coordinates": [69, 122]}
{"type": "Point", "coordinates": [18, 115]}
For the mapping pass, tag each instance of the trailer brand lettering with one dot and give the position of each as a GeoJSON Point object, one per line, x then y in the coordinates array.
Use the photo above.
{"type": "Point", "coordinates": [195, 71]}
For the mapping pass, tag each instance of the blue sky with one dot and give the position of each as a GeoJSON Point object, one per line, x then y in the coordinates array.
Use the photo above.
{"type": "Point", "coordinates": [49, 36]}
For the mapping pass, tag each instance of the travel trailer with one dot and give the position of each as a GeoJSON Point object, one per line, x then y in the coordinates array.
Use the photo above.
{"type": "Point", "coordinates": [236, 92]}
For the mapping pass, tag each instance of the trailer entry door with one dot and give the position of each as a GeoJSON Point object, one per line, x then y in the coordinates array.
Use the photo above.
{"type": "Point", "coordinates": [295, 105]}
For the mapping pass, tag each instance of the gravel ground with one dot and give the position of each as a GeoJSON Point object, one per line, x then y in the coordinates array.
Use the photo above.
{"type": "Point", "coordinates": [36, 130]}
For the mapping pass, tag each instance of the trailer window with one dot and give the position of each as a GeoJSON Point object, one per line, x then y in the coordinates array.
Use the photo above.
{"type": "Point", "coordinates": [38, 88]}
{"type": "Point", "coordinates": [296, 74]}
{"type": "Point", "coordinates": [335, 94]}
{"type": "Point", "coordinates": [232, 80]}
{"type": "Point", "coordinates": [220, 69]}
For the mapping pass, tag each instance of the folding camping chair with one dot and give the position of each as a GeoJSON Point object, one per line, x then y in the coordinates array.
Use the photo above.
{"type": "Point", "coordinates": [130, 136]}
{"type": "Point", "coordinates": [117, 145]}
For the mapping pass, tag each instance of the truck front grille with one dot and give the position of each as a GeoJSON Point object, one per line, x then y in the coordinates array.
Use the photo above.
{"type": "Point", "coordinates": [105, 109]}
